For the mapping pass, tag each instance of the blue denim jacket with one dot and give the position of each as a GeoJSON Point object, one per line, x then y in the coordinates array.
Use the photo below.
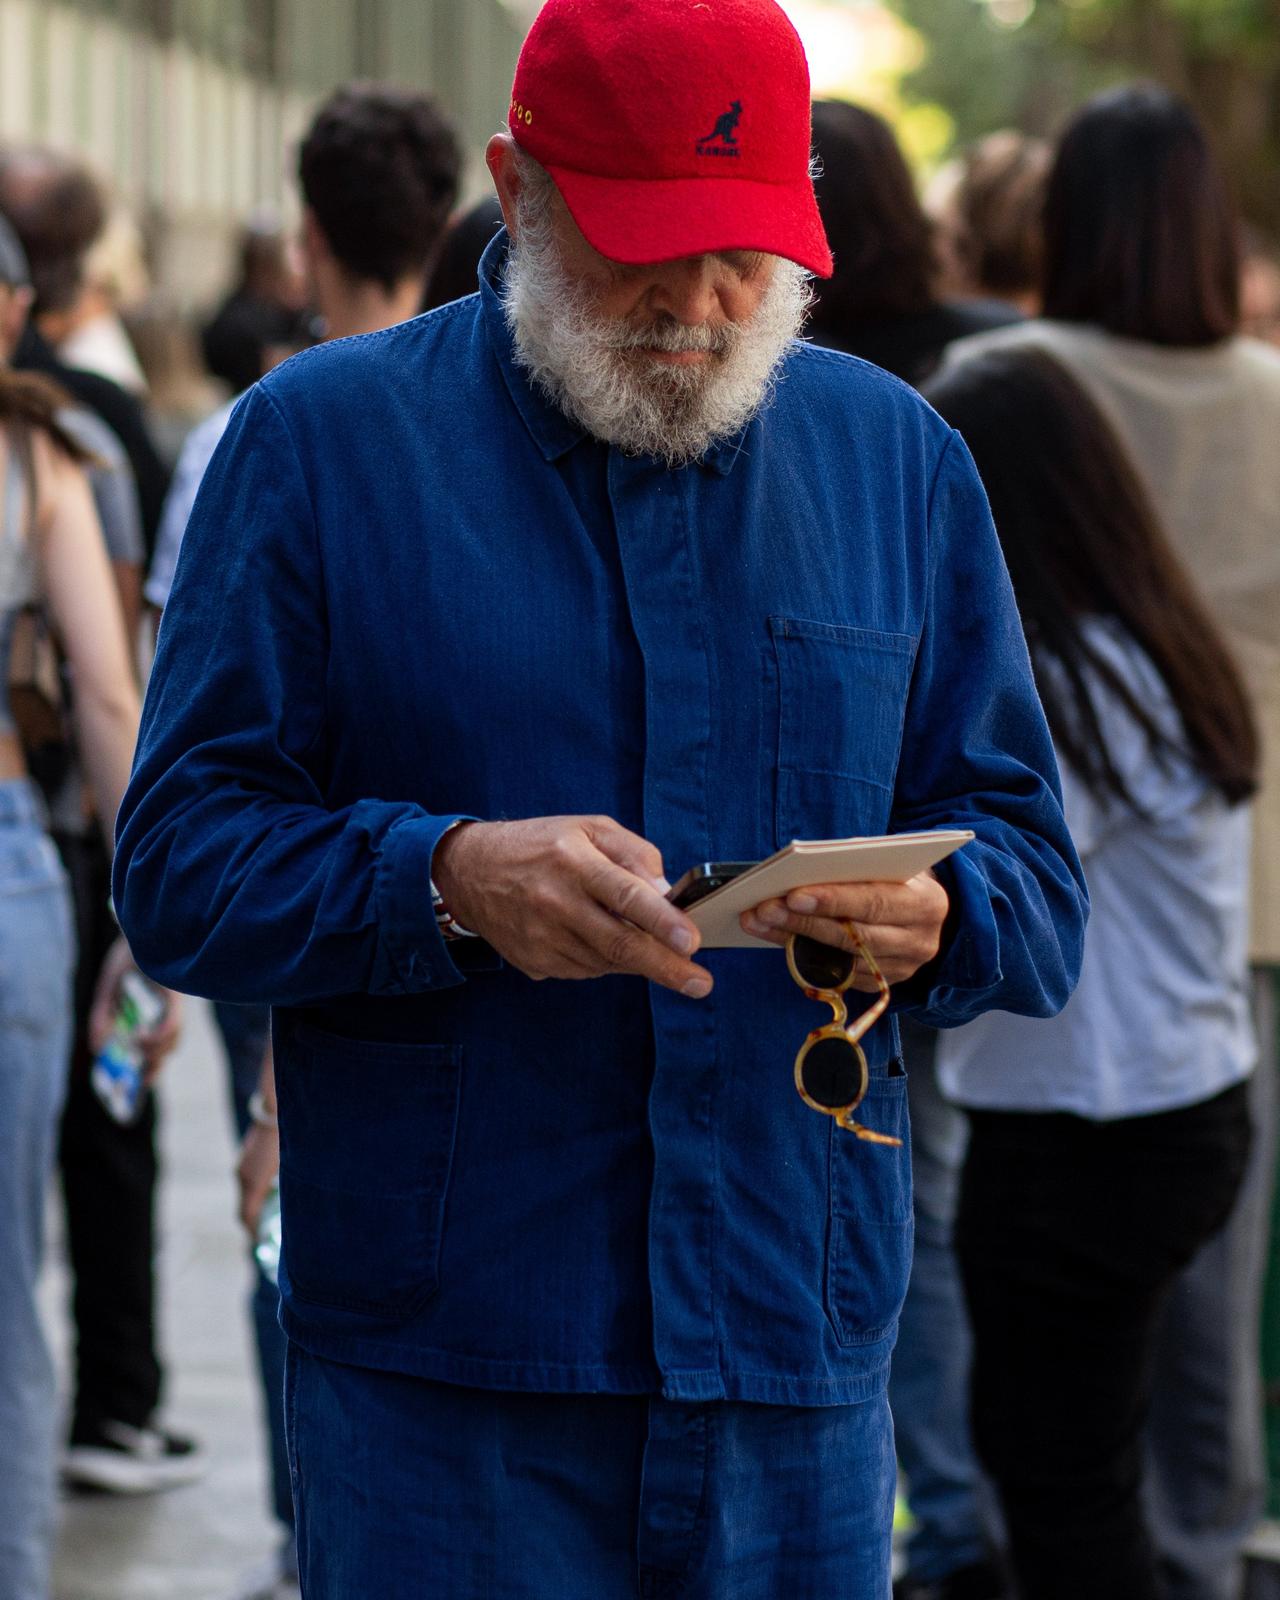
{"type": "Point", "coordinates": [412, 590]}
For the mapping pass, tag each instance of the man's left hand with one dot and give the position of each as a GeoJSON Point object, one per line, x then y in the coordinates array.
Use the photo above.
{"type": "Point", "coordinates": [901, 922]}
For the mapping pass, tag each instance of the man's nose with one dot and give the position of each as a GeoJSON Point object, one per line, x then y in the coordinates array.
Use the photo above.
{"type": "Point", "coordinates": [686, 290]}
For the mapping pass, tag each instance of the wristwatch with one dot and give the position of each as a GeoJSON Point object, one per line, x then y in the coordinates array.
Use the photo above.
{"type": "Point", "coordinates": [449, 927]}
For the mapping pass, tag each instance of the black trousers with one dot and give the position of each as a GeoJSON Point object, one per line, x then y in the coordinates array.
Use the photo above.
{"type": "Point", "coordinates": [1069, 1234]}
{"type": "Point", "coordinates": [108, 1183]}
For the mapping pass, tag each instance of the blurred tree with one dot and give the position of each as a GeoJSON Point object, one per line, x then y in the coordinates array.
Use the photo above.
{"type": "Point", "coordinates": [1026, 63]}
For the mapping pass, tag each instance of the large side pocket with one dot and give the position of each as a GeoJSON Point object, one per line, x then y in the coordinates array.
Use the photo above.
{"type": "Point", "coordinates": [869, 1241]}
{"type": "Point", "coordinates": [367, 1131]}
{"type": "Point", "coordinates": [842, 696]}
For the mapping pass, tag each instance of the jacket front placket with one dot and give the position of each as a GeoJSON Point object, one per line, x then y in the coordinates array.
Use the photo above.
{"type": "Point", "coordinates": [651, 508]}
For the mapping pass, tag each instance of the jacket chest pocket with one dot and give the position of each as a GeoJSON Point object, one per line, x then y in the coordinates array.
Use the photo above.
{"type": "Point", "coordinates": [839, 701]}
{"type": "Point", "coordinates": [367, 1132]}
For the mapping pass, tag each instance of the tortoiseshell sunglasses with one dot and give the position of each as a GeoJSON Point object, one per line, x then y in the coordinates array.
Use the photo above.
{"type": "Point", "coordinates": [831, 1069]}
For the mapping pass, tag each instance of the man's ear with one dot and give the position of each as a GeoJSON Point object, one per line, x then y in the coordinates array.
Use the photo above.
{"type": "Point", "coordinates": [500, 157]}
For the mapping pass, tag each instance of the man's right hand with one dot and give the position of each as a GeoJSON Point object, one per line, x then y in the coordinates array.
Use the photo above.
{"type": "Point", "coordinates": [569, 897]}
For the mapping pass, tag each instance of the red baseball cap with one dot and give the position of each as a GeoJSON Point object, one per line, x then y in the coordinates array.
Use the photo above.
{"type": "Point", "coordinates": [673, 127]}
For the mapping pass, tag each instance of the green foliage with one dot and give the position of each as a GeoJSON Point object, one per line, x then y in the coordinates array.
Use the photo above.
{"type": "Point", "coordinates": [1027, 63]}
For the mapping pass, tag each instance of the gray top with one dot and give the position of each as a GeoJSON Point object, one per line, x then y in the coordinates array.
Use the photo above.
{"type": "Point", "coordinates": [1160, 1018]}
{"type": "Point", "coordinates": [17, 570]}
{"type": "Point", "coordinates": [115, 494]}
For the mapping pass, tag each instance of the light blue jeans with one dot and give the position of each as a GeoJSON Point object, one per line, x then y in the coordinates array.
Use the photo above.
{"type": "Point", "coordinates": [36, 957]}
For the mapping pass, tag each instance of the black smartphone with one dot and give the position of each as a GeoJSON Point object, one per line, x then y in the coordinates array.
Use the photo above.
{"type": "Point", "coordinates": [701, 881]}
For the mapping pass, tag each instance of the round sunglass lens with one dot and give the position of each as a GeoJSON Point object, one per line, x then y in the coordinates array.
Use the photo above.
{"type": "Point", "coordinates": [822, 966]}
{"type": "Point", "coordinates": [832, 1073]}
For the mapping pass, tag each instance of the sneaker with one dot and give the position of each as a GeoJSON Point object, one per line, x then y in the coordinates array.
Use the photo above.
{"type": "Point", "coordinates": [118, 1459]}
{"type": "Point", "coordinates": [979, 1581]}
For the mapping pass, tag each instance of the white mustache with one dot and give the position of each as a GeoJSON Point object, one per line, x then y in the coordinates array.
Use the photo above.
{"type": "Point", "coordinates": [676, 338]}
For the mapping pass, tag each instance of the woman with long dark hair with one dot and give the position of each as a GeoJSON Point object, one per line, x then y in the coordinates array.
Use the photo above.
{"type": "Point", "coordinates": [1141, 303]}
{"type": "Point", "coordinates": [1107, 1144]}
{"type": "Point", "coordinates": [883, 301]}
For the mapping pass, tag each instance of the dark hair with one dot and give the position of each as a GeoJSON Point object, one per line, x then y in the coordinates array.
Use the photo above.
{"type": "Point", "coordinates": [29, 401]}
{"type": "Point", "coordinates": [880, 237]}
{"type": "Point", "coordinates": [1141, 235]}
{"type": "Point", "coordinates": [1081, 539]}
{"type": "Point", "coordinates": [456, 271]}
{"type": "Point", "coordinates": [379, 170]}
{"type": "Point", "coordinates": [998, 206]}
{"type": "Point", "coordinates": [56, 208]}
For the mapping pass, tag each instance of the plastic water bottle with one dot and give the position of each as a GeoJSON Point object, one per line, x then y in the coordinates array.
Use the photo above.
{"type": "Point", "coordinates": [266, 1249]}
{"type": "Point", "coordinates": [117, 1072]}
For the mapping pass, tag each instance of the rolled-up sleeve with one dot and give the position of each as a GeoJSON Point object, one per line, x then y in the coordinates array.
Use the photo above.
{"type": "Point", "coordinates": [976, 753]}
{"type": "Point", "coordinates": [233, 877]}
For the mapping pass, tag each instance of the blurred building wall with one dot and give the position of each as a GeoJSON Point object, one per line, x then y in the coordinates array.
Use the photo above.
{"type": "Point", "coordinates": [192, 108]}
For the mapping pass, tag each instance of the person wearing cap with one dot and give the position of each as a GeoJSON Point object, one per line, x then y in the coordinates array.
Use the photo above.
{"type": "Point", "coordinates": [483, 625]}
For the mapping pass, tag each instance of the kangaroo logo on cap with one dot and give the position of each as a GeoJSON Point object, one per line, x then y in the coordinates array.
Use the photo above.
{"type": "Point", "coordinates": [723, 138]}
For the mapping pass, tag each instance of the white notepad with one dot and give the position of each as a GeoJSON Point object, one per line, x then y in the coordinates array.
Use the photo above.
{"type": "Point", "coordinates": [890, 858]}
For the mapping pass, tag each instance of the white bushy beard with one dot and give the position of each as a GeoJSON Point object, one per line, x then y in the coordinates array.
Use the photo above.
{"type": "Point", "coordinates": [590, 366]}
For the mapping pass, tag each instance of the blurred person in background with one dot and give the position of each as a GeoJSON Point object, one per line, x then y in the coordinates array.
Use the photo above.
{"type": "Point", "coordinates": [108, 1167]}
{"type": "Point", "coordinates": [52, 560]}
{"type": "Point", "coordinates": [94, 337]}
{"type": "Point", "coordinates": [370, 252]}
{"type": "Point", "coordinates": [883, 302]}
{"type": "Point", "coordinates": [1260, 288]}
{"type": "Point", "coordinates": [1142, 304]}
{"type": "Point", "coordinates": [1106, 1144]}
{"type": "Point", "coordinates": [58, 211]}
{"type": "Point", "coordinates": [264, 318]}
{"type": "Point", "coordinates": [457, 270]}
{"type": "Point", "coordinates": [115, 492]}
{"type": "Point", "coordinates": [988, 205]}
{"type": "Point", "coordinates": [379, 170]}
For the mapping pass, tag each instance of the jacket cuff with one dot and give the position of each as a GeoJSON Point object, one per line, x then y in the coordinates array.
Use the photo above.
{"type": "Point", "coordinates": [413, 954]}
{"type": "Point", "coordinates": [967, 967]}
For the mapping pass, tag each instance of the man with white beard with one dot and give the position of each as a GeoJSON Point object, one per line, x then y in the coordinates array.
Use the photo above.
{"type": "Point", "coordinates": [589, 577]}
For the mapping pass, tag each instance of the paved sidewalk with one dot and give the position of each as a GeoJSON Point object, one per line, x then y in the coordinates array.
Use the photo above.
{"type": "Point", "coordinates": [192, 1543]}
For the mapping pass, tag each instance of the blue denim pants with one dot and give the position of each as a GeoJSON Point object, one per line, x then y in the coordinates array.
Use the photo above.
{"type": "Point", "coordinates": [36, 958]}
{"type": "Point", "coordinates": [405, 1488]}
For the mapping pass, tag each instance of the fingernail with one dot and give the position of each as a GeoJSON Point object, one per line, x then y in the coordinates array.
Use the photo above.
{"type": "Point", "coordinates": [697, 988]}
{"type": "Point", "coordinates": [752, 923]}
{"type": "Point", "coordinates": [662, 885]}
{"type": "Point", "coordinates": [802, 902]}
{"type": "Point", "coordinates": [682, 941]}
{"type": "Point", "coordinates": [772, 916]}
